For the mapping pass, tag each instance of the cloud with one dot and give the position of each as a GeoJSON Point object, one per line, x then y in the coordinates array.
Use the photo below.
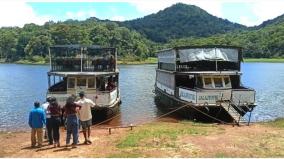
{"type": "Point", "coordinates": [265, 10]}
{"type": "Point", "coordinates": [80, 15]}
{"type": "Point", "coordinates": [18, 13]}
{"type": "Point", "coordinates": [117, 18]}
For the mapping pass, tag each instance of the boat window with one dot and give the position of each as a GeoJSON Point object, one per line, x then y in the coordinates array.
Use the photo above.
{"type": "Point", "coordinates": [91, 83]}
{"type": "Point", "coordinates": [81, 82]}
{"type": "Point", "coordinates": [227, 82]}
{"type": "Point", "coordinates": [208, 83]}
{"type": "Point", "coordinates": [71, 82]}
{"type": "Point", "coordinates": [218, 82]}
{"type": "Point", "coordinates": [199, 82]}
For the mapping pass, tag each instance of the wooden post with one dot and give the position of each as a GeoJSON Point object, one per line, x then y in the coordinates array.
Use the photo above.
{"type": "Point", "coordinates": [109, 131]}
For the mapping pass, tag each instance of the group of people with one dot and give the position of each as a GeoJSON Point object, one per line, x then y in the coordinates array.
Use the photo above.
{"type": "Point", "coordinates": [49, 115]}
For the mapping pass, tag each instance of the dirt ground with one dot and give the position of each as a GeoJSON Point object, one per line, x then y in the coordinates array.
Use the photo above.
{"type": "Point", "coordinates": [257, 140]}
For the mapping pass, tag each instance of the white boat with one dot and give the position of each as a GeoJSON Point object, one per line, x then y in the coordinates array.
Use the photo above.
{"type": "Point", "coordinates": [91, 69]}
{"type": "Point", "coordinates": [207, 79]}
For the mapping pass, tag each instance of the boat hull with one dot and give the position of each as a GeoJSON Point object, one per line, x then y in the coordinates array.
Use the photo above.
{"type": "Point", "coordinates": [103, 113]}
{"type": "Point", "coordinates": [166, 102]}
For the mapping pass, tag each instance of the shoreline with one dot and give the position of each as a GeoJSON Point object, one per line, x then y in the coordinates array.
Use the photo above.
{"type": "Point", "coordinates": [160, 139]}
{"type": "Point", "coordinates": [153, 60]}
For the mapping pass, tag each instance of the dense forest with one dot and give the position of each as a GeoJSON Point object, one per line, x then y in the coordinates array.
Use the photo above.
{"type": "Point", "coordinates": [32, 41]}
{"type": "Point", "coordinates": [138, 39]}
{"type": "Point", "coordinates": [179, 21]}
{"type": "Point", "coordinates": [267, 42]}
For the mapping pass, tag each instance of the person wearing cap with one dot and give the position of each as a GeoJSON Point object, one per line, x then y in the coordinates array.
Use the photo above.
{"type": "Point", "coordinates": [36, 122]}
{"type": "Point", "coordinates": [55, 120]}
{"type": "Point", "coordinates": [47, 134]}
{"type": "Point", "coordinates": [85, 116]}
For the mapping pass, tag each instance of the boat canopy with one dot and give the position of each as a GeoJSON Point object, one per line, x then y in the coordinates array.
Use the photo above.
{"type": "Point", "coordinates": [81, 58]}
{"type": "Point", "coordinates": [207, 53]}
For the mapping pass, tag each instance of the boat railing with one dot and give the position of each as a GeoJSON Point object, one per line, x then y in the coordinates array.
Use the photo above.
{"type": "Point", "coordinates": [82, 65]}
{"type": "Point", "coordinates": [207, 66]}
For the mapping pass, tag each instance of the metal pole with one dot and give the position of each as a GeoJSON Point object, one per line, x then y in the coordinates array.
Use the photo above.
{"type": "Point", "coordinates": [115, 59]}
{"type": "Point", "coordinates": [216, 60]}
{"type": "Point", "coordinates": [81, 59]}
{"type": "Point", "coordinates": [249, 118]}
{"type": "Point", "coordinates": [48, 81]}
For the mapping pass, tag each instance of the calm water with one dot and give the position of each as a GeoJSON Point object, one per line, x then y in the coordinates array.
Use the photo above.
{"type": "Point", "coordinates": [21, 85]}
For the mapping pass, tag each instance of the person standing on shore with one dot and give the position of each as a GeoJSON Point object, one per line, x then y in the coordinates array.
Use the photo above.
{"type": "Point", "coordinates": [85, 115]}
{"type": "Point", "coordinates": [72, 122]}
{"type": "Point", "coordinates": [36, 122]}
{"type": "Point", "coordinates": [47, 134]}
{"type": "Point", "coordinates": [55, 119]}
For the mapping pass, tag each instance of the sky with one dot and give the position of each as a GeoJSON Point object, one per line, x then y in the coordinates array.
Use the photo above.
{"type": "Point", "coordinates": [20, 12]}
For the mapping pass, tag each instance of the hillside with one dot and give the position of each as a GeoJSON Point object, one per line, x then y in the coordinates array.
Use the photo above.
{"type": "Point", "coordinates": [138, 39]}
{"type": "Point", "coordinates": [32, 41]}
{"type": "Point", "coordinates": [179, 21]}
{"type": "Point", "coordinates": [266, 42]}
{"type": "Point", "coordinates": [277, 20]}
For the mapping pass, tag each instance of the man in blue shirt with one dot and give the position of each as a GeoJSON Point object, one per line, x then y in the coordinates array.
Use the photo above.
{"type": "Point", "coordinates": [36, 122]}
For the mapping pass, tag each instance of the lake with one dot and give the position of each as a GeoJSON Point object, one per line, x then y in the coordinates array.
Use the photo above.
{"type": "Point", "coordinates": [21, 85]}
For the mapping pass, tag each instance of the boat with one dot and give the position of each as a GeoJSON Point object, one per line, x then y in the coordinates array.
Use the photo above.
{"type": "Point", "coordinates": [91, 69]}
{"type": "Point", "coordinates": [205, 81]}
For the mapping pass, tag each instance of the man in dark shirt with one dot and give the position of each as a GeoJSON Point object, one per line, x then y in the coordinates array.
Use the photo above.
{"type": "Point", "coordinates": [36, 122]}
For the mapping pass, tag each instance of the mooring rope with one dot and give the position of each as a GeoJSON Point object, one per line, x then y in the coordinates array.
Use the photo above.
{"type": "Point", "coordinates": [161, 116]}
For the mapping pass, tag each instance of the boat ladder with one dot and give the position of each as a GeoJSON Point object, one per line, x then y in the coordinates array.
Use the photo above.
{"type": "Point", "coordinates": [231, 110]}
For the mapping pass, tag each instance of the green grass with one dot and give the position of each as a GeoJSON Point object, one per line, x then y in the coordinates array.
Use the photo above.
{"type": "Point", "coordinates": [270, 60]}
{"type": "Point", "coordinates": [278, 123]}
{"type": "Point", "coordinates": [149, 60]}
{"type": "Point", "coordinates": [163, 134]}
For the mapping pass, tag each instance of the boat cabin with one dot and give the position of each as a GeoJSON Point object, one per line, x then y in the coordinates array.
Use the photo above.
{"type": "Point", "coordinates": [92, 69]}
{"type": "Point", "coordinates": [203, 75]}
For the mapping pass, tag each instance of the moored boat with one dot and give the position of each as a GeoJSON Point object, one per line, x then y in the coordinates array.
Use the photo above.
{"type": "Point", "coordinates": [91, 69]}
{"type": "Point", "coordinates": [205, 78]}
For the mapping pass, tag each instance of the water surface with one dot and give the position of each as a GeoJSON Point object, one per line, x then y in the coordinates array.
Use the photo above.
{"type": "Point", "coordinates": [21, 85]}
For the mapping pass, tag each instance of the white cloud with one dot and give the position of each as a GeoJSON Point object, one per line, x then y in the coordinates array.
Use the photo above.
{"type": "Point", "coordinates": [117, 18]}
{"type": "Point", "coordinates": [265, 10]}
{"type": "Point", "coordinates": [248, 21]}
{"type": "Point", "coordinates": [80, 15]}
{"type": "Point", "coordinates": [18, 13]}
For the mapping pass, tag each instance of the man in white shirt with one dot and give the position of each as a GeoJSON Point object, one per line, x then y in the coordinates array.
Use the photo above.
{"type": "Point", "coordinates": [47, 133]}
{"type": "Point", "coordinates": [85, 115]}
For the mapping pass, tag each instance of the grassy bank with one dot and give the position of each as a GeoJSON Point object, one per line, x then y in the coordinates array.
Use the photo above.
{"type": "Point", "coordinates": [162, 139]}
{"type": "Point", "coordinates": [270, 60]}
{"type": "Point", "coordinates": [149, 60]}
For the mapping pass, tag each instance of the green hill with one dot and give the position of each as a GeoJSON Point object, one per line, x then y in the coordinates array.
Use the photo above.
{"type": "Point", "coordinates": [266, 42]}
{"type": "Point", "coordinates": [179, 21]}
{"type": "Point", "coordinates": [137, 39]}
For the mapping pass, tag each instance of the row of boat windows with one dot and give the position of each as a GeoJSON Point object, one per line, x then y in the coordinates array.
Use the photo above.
{"type": "Point", "coordinates": [81, 82]}
{"type": "Point", "coordinates": [99, 83]}
{"type": "Point", "coordinates": [215, 82]}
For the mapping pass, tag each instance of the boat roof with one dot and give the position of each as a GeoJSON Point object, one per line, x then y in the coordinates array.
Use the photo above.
{"type": "Point", "coordinates": [203, 72]}
{"type": "Point", "coordinates": [199, 47]}
{"type": "Point", "coordinates": [78, 46]}
{"type": "Point", "coordinates": [65, 74]}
